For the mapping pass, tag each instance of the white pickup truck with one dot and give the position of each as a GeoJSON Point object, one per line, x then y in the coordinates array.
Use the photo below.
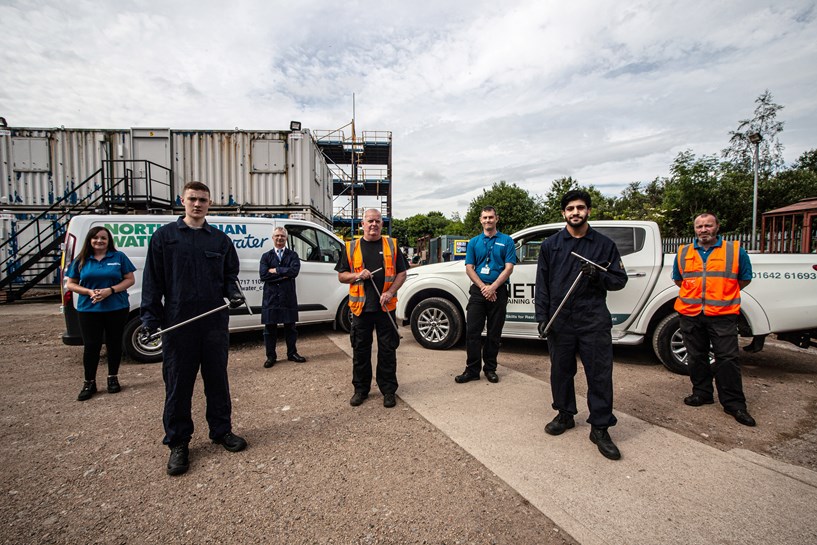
{"type": "Point", "coordinates": [781, 299]}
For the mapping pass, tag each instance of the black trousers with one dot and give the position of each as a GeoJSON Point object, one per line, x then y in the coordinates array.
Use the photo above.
{"type": "Point", "coordinates": [388, 340]}
{"type": "Point", "coordinates": [96, 326]}
{"type": "Point", "coordinates": [721, 333]}
{"type": "Point", "coordinates": [477, 313]}
{"type": "Point", "coordinates": [203, 346]}
{"type": "Point", "coordinates": [596, 351]}
{"type": "Point", "coordinates": [271, 339]}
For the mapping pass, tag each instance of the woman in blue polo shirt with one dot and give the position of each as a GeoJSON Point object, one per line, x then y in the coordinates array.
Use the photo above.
{"type": "Point", "coordinates": [100, 275]}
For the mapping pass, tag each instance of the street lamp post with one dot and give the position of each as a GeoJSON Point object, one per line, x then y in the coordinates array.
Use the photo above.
{"type": "Point", "coordinates": [755, 138]}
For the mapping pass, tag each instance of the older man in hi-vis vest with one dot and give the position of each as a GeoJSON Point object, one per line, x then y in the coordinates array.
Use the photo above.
{"type": "Point", "coordinates": [375, 268]}
{"type": "Point", "coordinates": [711, 272]}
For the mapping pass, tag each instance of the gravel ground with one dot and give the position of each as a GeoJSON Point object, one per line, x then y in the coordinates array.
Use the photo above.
{"type": "Point", "coordinates": [316, 470]}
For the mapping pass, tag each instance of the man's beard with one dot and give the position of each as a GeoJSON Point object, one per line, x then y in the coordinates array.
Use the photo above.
{"type": "Point", "coordinates": [582, 221]}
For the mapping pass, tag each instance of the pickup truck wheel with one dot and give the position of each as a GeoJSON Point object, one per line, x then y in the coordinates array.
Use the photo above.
{"type": "Point", "coordinates": [139, 351]}
{"type": "Point", "coordinates": [668, 344]}
{"type": "Point", "coordinates": [436, 323]}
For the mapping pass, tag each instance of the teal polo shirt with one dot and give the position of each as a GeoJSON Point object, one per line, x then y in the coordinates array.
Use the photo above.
{"type": "Point", "coordinates": [493, 252]}
{"type": "Point", "coordinates": [102, 274]}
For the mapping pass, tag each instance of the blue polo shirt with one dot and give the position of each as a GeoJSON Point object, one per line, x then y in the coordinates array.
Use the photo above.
{"type": "Point", "coordinates": [97, 275]}
{"type": "Point", "coordinates": [493, 251]}
{"type": "Point", "coordinates": [744, 264]}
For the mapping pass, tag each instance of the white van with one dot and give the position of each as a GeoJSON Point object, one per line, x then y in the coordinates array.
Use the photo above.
{"type": "Point", "coordinates": [321, 298]}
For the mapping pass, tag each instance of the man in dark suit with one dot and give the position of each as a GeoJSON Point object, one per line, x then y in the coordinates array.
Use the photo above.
{"type": "Point", "coordinates": [278, 270]}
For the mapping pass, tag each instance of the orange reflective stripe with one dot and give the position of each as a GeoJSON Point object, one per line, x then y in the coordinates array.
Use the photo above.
{"type": "Point", "coordinates": [390, 263]}
{"type": "Point", "coordinates": [357, 293]}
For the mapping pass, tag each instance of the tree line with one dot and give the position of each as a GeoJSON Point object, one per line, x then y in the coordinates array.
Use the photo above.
{"type": "Point", "coordinates": [720, 183]}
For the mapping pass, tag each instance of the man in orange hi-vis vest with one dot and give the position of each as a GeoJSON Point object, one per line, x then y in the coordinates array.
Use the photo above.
{"type": "Point", "coordinates": [375, 268]}
{"type": "Point", "coordinates": [711, 272]}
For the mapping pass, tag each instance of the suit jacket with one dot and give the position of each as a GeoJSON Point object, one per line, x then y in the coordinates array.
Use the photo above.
{"type": "Point", "coordinates": [280, 304]}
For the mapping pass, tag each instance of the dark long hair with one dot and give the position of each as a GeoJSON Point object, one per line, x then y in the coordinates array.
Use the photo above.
{"type": "Point", "coordinates": [87, 251]}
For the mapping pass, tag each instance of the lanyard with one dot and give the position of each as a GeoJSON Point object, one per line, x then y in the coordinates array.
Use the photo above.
{"type": "Point", "coordinates": [489, 250]}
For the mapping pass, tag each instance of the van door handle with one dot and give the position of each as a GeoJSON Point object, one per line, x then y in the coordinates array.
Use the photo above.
{"type": "Point", "coordinates": [637, 274]}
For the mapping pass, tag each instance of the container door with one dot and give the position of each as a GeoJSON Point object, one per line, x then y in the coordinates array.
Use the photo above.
{"type": "Point", "coordinates": [151, 167]}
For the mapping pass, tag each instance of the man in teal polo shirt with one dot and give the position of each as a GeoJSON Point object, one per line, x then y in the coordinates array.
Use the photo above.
{"type": "Point", "coordinates": [489, 261]}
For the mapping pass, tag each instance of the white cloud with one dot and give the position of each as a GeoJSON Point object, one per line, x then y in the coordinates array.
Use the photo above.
{"type": "Point", "coordinates": [474, 92]}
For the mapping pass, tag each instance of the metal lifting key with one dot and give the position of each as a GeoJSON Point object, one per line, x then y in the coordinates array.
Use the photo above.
{"type": "Point", "coordinates": [572, 288]}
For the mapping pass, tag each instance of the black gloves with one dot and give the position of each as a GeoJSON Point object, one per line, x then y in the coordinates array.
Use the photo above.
{"type": "Point", "coordinates": [590, 271]}
{"type": "Point", "coordinates": [236, 300]}
{"type": "Point", "coordinates": [148, 335]}
{"type": "Point", "coordinates": [542, 333]}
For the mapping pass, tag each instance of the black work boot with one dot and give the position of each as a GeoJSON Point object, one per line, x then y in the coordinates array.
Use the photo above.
{"type": "Point", "coordinates": [179, 461]}
{"type": "Point", "coordinates": [113, 384]}
{"type": "Point", "coordinates": [742, 416]}
{"type": "Point", "coordinates": [557, 426]}
{"type": "Point", "coordinates": [88, 389]}
{"type": "Point", "coordinates": [602, 439]}
{"type": "Point", "coordinates": [231, 442]}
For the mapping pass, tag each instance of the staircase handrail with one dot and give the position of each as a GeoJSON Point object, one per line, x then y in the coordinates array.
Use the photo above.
{"type": "Point", "coordinates": [50, 210]}
{"type": "Point", "coordinates": [109, 163]}
{"type": "Point", "coordinates": [43, 242]}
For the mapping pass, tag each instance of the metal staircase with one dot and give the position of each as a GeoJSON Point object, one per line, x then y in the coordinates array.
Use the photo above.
{"type": "Point", "coordinates": [32, 253]}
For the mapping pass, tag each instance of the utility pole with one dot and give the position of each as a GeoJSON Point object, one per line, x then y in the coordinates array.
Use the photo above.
{"type": "Point", "coordinates": [755, 138]}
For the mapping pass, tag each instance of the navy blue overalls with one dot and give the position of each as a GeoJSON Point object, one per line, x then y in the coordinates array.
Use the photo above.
{"type": "Point", "coordinates": [584, 324]}
{"type": "Point", "coordinates": [193, 270]}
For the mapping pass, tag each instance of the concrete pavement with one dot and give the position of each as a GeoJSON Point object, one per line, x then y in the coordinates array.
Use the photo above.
{"type": "Point", "coordinates": [666, 489]}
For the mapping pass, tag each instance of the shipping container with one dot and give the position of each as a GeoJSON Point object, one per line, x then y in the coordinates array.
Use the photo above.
{"type": "Point", "coordinates": [278, 173]}
{"type": "Point", "coordinates": [48, 175]}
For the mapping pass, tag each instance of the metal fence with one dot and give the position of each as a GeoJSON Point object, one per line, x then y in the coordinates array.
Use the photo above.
{"type": "Point", "coordinates": [671, 244]}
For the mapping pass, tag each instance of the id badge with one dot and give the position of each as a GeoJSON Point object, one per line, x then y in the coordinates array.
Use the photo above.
{"type": "Point", "coordinates": [485, 270]}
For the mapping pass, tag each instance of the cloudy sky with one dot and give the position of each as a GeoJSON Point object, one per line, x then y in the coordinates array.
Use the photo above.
{"type": "Point", "coordinates": [473, 91]}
